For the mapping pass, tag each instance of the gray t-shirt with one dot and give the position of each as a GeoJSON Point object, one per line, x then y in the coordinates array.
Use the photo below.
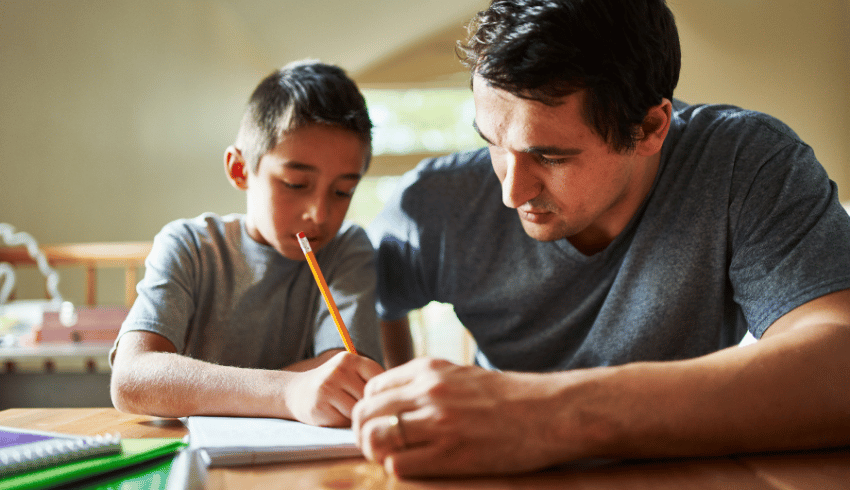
{"type": "Point", "coordinates": [741, 226]}
{"type": "Point", "coordinates": [220, 296]}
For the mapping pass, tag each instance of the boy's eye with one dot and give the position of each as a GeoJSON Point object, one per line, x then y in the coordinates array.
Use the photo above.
{"type": "Point", "coordinates": [345, 193]}
{"type": "Point", "coordinates": [294, 185]}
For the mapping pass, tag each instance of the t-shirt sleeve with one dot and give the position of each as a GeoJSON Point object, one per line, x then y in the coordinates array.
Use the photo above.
{"type": "Point", "coordinates": [790, 235]}
{"type": "Point", "coordinates": [349, 268]}
{"type": "Point", "coordinates": [395, 234]}
{"type": "Point", "coordinates": [165, 303]}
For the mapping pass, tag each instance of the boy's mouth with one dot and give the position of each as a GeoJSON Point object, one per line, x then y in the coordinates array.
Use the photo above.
{"type": "Point", "coordinates": [314, 239]}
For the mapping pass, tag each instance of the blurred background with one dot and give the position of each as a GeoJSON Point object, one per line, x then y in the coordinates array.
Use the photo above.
{"type": "Point", "coordinates": [114, 114]}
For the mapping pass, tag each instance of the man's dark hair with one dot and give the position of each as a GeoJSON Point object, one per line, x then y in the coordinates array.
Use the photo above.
{"type": "Point", "coordinates": [625, 53]}
{"type": "Point", "coordinates": [301, 93]}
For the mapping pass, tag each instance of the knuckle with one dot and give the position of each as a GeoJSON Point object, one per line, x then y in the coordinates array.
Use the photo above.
{"type": "Point", "coordinates": [441, 416]}
{"type": "Point", "coordinates": [434, 363]}
{"type": "Point", "coordinates": [435, 387]}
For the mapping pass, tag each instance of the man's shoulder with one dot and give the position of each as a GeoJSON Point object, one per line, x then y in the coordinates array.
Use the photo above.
{"type": "Point", "coordinates": [724, 120]}
{"type": "Point", "coordinates": [465, 162]}
{"type": "Point", "coordinates": [441, 194]}
{"type": "Point", "coordinates": [352, 237]}
{"type": "Point", "coordinates": [455, 175]}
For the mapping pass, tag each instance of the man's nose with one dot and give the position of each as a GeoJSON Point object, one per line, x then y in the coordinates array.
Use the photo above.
{"type": "Point", "coordinates": [520, 185]}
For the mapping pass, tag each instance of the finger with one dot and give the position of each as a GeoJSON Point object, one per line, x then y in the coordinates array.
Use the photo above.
{"type": "Point", "coordinates": [394, 433]}
{"type": "Point", "coordinates": [368, 368]}
{"type": "Point", "coordinates": [343, 403]}
{"type": "Point", "coordinates": [392, 392]}
{"type": "Point", "coordinates": [423, 460]}
{"type": "Point", "coordinates": [384, 382]}
{"type": "Point", "coordinates": [380, 405]}
{"type": "Point", "coordinates": [398, 376]}
{"type": "Point", "coordinates": [350, 372]}
{"type": "Point", "coordinates": [381, 437]}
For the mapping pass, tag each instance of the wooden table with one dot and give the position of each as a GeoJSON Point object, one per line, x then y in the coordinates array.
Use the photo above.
{"type": "Point", "coordinates": [822, 470]}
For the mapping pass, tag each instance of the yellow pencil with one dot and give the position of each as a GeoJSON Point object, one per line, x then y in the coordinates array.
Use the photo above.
{"type": "Point", "coordinates": [323, 287]}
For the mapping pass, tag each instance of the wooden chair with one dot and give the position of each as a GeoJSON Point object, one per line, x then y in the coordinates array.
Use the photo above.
{"type": "Point", "coordinates": [92, 256]}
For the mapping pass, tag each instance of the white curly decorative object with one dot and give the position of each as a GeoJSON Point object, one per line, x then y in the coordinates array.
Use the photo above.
{"type": "Point", "coordinates": [12, 238]}
{"type": "Point", "coordinates": [67, 312]}
{"type": "Point", "coordinates": [7, 275]}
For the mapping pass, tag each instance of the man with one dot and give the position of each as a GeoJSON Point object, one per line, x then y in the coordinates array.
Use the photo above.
{"type": "Point", "coordinates": [608, 252]}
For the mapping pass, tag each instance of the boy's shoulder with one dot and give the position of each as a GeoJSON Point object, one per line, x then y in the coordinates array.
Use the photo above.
{"type": "Point", "coordinates": [205, 224]}
{"type": "Point", "coordinates": [201, 231]}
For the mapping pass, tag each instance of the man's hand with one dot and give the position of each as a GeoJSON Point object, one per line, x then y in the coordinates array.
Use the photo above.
{"type": "Point", "coordinates": [454, 420]}
{"type": "Point", "coordinates": [326, 394]}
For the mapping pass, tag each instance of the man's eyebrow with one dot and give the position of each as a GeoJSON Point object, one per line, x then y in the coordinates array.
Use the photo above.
{"type": "Point", "coordinates": [477, 130]}
{"type": "Point", "coordinates": [304, 167]}
{"type": "Point", "coordinates": [537, 150]}
{"type": "Point", "coordinates": [553, 150]}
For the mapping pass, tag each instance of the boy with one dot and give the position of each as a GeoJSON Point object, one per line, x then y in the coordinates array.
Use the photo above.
{"type": "Point", "coordinates": [229, 320]}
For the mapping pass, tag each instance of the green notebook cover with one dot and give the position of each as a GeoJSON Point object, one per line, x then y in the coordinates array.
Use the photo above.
{"type": "Point", "coordinates": [133, 451]}
{"type": "Point", "coordinates": [150, 475]}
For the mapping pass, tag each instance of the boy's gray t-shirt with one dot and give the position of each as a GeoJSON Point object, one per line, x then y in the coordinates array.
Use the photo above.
{"type": "Point", "coordinates": [742, 225]}
{"type": "Point", "coordinates": [220, 296]}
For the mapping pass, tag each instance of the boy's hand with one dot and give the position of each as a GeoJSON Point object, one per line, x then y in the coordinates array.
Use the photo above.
{"type": "Point", "coordinates": [326, 394]}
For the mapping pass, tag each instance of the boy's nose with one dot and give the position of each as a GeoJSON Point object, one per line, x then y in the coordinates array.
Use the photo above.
{"type": "Point", "coordinates": [316, 211]}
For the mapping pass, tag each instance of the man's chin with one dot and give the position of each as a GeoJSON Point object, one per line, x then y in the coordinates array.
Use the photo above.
{"type": "Point", "coordinates": [542, 233]}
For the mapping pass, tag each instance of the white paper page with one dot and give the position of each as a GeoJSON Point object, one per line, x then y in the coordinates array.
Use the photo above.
{"type": "Point", "coordinates": [245, 440]}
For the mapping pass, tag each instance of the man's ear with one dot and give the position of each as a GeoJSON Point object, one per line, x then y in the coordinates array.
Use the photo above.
{"type": "Point", "coordinates": [654, 128]}
{"type": "Point", "coordinates": [235, 168]}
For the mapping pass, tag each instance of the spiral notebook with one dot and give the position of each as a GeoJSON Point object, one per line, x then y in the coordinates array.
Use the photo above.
{"type": "Point", "coordinates": [26, 450]}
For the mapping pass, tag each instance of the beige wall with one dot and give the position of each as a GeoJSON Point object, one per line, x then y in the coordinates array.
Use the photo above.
{"type": "Point", "coordinates": [788, 58]}
{"type": "Point", "coordinates": [114, 114]}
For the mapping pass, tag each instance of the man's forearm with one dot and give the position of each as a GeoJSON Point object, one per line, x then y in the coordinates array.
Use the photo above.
{"type": "Point", "coordinates": [785, 392]}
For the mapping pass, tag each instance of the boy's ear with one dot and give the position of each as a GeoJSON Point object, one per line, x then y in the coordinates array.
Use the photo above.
{"type": "Point", "coordinates": [235, 168]}
{"type": "Point", "coordinates": [653, 130]}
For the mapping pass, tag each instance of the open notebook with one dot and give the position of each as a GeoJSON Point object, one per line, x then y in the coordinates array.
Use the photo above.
{"type": "Point", "coordinates": [229, 441]}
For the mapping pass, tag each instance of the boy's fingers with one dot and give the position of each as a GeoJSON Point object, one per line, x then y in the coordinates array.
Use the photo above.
{"type": "Point", "coordinates": [368, 369]}
{"type": "Point", "coordinates": [343, 404]}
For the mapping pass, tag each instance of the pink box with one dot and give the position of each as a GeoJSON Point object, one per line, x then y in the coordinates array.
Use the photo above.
{"type": "Point", "coordinates": [94, 324]}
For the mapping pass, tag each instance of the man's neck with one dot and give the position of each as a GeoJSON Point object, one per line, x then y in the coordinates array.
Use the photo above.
{"type": "Point", "coordinates": [600, 234]}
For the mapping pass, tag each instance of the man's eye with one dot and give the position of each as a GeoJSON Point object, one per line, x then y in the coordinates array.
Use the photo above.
{"type": "Point", "coordinates": [293, 185]}
{"type": "Point", "coordinates": [551, 161]}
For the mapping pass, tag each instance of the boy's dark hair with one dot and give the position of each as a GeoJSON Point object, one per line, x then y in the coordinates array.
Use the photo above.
{"type": "Point", "coordinates": [624, 52]}
{"type": "Point", "coordinates": [300, 94]}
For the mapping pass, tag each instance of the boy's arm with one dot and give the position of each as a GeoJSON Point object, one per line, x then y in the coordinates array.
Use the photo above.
{"type": "Point", "coordinates": [787, 391]}
{"type": "Point", "coordinates": [149, 377]}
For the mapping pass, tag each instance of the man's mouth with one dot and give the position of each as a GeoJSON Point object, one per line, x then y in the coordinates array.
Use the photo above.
{"type": "Point", "coordinates": [534, 215]}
